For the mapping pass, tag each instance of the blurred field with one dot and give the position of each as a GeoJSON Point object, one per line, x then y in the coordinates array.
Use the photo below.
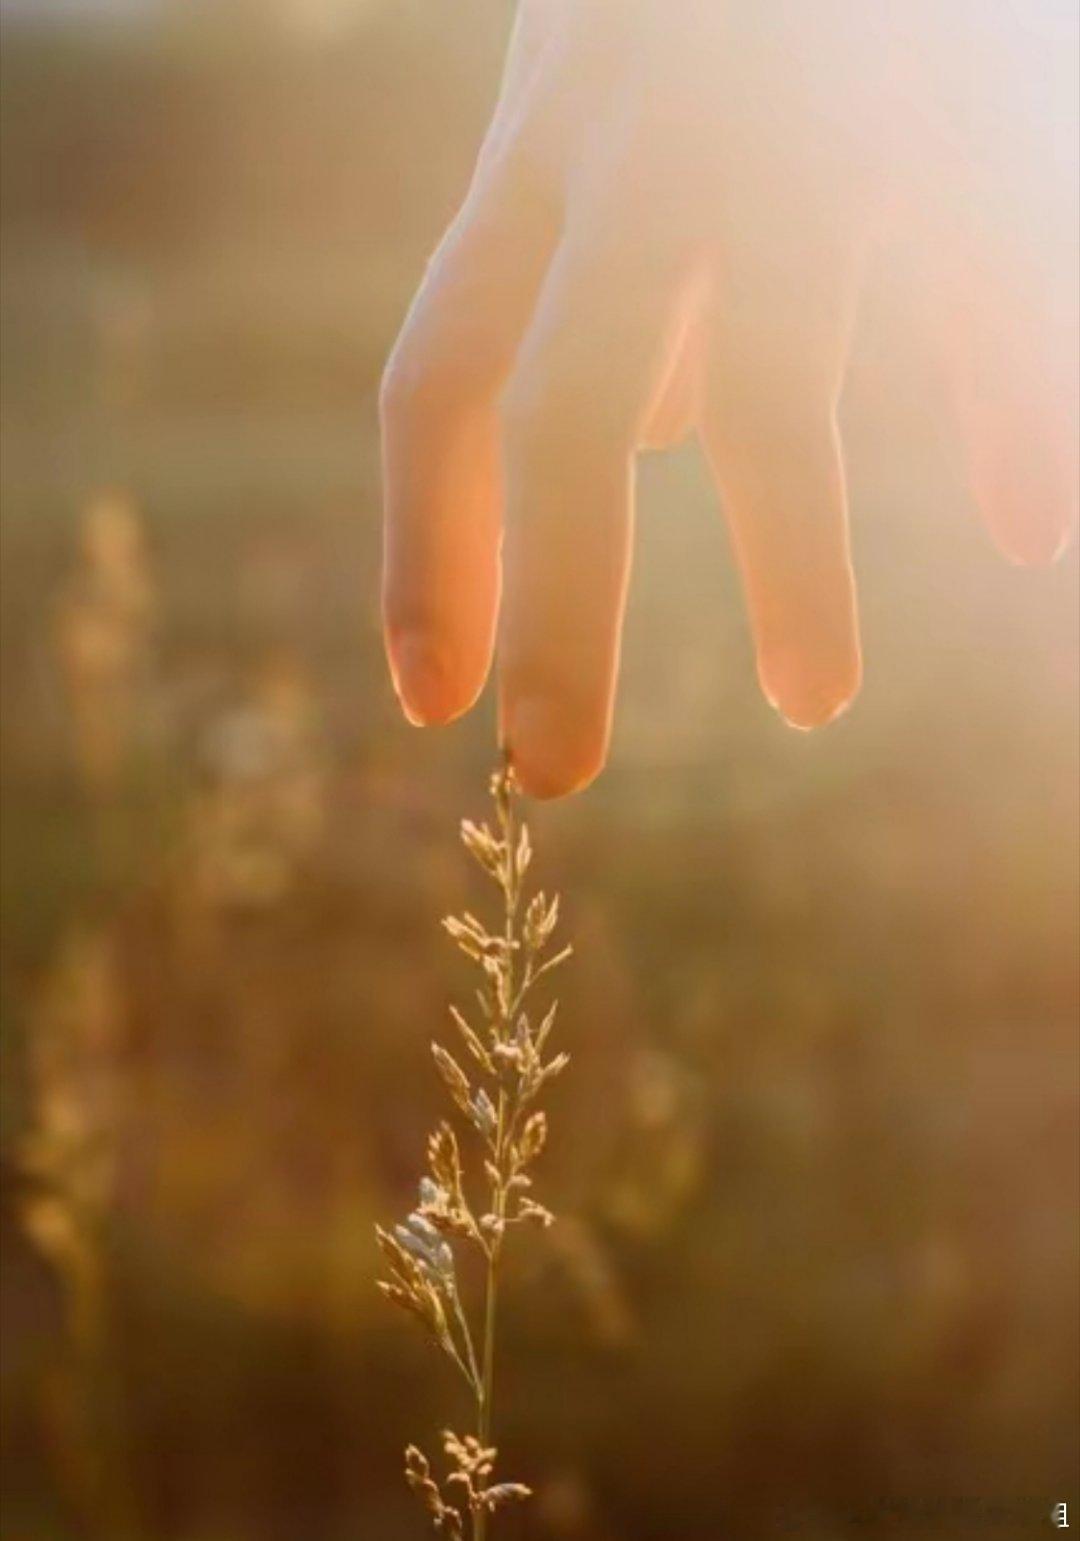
{"type": "Point", "coordinates": [818, 1144]}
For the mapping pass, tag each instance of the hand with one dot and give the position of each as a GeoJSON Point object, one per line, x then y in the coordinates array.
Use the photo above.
{"type": "Point", "coordinates": [666, 230]}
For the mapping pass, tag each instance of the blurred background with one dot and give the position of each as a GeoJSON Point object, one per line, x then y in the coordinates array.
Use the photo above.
{"type": "Point", "coordinates": [816, 1155]}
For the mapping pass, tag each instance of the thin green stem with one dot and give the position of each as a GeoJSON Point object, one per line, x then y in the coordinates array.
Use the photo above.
{"type": "Point", "coordinates": [488, 1383]}
{"type": "Point", "coordinates": [466, 1371]}
{"type": "Point", "coordinates": [487, 1389]}
{"type": "Point", "coordinates": [473, 1372]}
{"type": "Point", "coordinates": [511, 888]}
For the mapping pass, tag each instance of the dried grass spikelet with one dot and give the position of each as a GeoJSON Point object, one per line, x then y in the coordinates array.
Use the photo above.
{"type": "Point", "coordinates": [103, 621]}
{"type": "Point", "coordinates": [68, 1154]}
{"type": "Point", "coordinates": [260, 813]}
{"type": "Point", "coordinates": [504, 1071]}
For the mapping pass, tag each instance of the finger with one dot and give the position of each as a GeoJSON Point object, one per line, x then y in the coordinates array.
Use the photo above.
{"type": "Point", "coordinates": [575, 409]}
{"type": "Point", "coordinates": [1008, 244]}
{"type": "Point", "coordinates": [535, 27]}
{"type": "Point", "coordinates": [440, 436]}
{"type": "Point", "coordinates": [784, 304]}
{"type": "Point", "coordinates": [1015, 395]}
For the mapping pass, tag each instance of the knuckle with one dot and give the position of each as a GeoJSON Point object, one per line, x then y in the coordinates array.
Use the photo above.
{"type": "Point", "coordinates": [431, 366]}
{"type": "Point", "coordinates": [413, 383]}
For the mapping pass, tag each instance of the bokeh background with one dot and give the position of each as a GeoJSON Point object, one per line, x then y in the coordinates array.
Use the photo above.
{"type": "Point", "coordinates": [816, 1154]}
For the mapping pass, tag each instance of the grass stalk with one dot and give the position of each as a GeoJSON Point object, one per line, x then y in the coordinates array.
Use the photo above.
{"type": "Point", "coordinates": [495, 1097]}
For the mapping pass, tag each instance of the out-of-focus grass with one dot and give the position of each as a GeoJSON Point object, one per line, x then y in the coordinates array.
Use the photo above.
{"type": "Point", "coordinates": [818, 1142]}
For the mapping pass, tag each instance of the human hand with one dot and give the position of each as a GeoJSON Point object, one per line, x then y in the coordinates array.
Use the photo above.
{"type": "Point", "coordinates": [666, 229]}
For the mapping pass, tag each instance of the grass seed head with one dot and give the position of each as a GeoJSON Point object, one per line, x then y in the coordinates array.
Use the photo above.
{"type": "Point", "coordinates": [508, 1072]}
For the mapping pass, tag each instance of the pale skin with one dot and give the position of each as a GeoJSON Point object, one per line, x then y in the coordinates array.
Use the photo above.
{"type": "Point", "coordinates": [667, 231]}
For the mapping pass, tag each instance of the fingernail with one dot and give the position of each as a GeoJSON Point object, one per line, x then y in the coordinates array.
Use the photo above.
{"type": "Point", "coordinates": [548, 760]}
{"type": "Point", "coordinates": [808, 698]}
{"type": "Point", "coordinates": [1036, 547]}
{"type": "Point", "coordinates": [422, 679]}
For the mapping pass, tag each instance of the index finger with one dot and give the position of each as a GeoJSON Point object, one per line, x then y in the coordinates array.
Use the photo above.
{"type": "Point", "coordinates": [440, 433]}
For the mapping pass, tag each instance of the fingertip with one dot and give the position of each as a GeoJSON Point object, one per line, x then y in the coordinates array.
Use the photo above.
{"type": "Point", "coordinates": [806, 695]}
{"type": "Point", "coordinates": [1025, 479]}
{"type": "Point", "coordinates": [806, 717]}
{"type": "Point", "coordinates": [1028, 503]}
{"type": "Point", "coordinates": [1030, 546]}
{"type": "Point", "coordinates": [550, 759]}
{"type": "Point", "coordinates": [431, 687]}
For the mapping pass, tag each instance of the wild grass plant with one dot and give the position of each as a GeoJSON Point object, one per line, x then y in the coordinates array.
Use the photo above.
{"type": "Point", "coordinates": [503, 1043]}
